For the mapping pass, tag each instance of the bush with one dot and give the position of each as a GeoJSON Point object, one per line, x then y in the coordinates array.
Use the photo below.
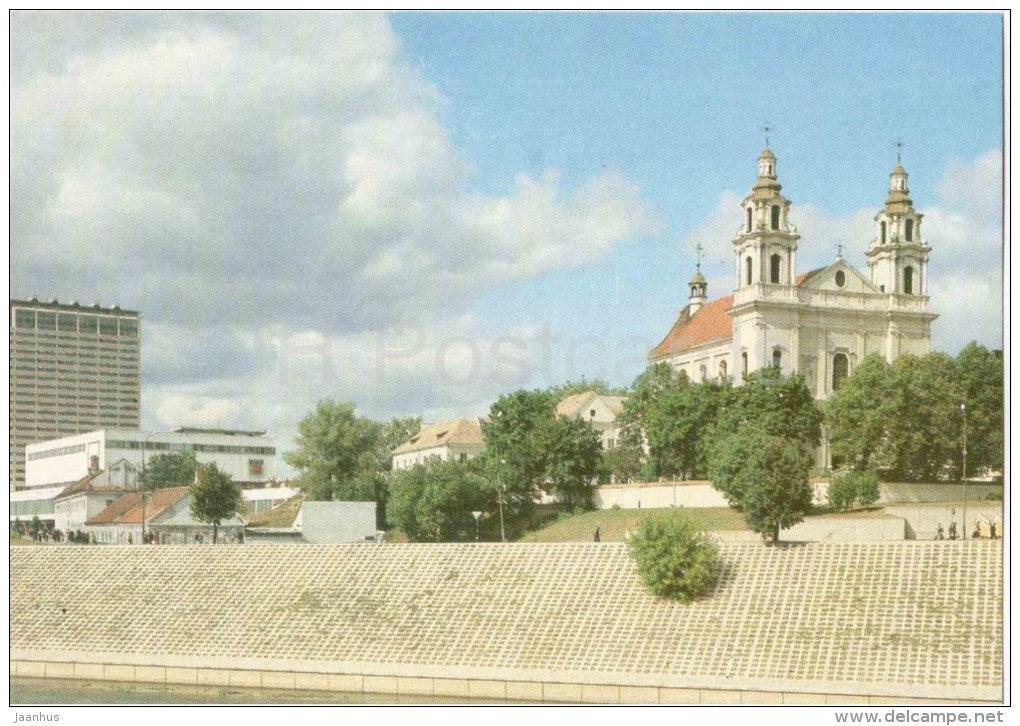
{"type": "Point", "coordinates": [675, 560]}
{"type": "Point", "coordinates": [853, 487]}
{"type": "Point", "coordinates": [993, 497]}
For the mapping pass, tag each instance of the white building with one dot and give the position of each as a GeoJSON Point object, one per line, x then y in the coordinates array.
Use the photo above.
{"type": "Point", "coordinates": [457, 440]}
{"type": "Point", "coordinates": [166, 513]}
{"type": "Point", "coordinates": [89, 496]}
{"type": "Point", "coordinates": [248, 457]}
{"type": "Point", "coordinates": [298, 520]}
{"type": "Point", "coordinates": [598, 410]}
{"type": "Point", "coordinates": [820, 324]}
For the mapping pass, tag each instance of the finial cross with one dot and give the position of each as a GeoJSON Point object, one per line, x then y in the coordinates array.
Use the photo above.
{"type": "Point", "coordinates": [766, 128]}
{"type": "Point", "coordinates": [899, 147]}
{"type": "Point", "coordinates": [697, 250]}
{"type": "Point", "coordinates": [839, 250]}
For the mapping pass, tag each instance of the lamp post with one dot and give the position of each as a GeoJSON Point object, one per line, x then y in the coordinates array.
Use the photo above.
{"type": "Point", "coordinates": [499, 486]}
{"type": "Point", "coordinates": [963, 410]}
{"type": "Point", "coordinates": [141, 483]}
{"type": "Point", "coordinates": [476, 515]}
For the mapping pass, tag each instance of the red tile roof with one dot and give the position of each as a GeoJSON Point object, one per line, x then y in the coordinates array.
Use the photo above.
{"type": "Point", "coordinates": [710, 323]}
{"type": "Point", "coordinates": [128, 509]}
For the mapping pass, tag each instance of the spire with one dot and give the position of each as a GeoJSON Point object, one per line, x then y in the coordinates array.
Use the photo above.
{"type": "Point", "coordinates": [698, 284]}
{"type": "Point", "coordinates": [899, 200]}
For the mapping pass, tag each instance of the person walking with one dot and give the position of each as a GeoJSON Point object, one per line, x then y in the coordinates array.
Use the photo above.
{"type": "Point", "coordinates": [597, 537]}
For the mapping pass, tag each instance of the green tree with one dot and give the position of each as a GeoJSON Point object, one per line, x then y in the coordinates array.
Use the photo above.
{"type": "Point", "coordinates": [434, 502]}
{"type": "Point", "coordinates": [777, 493]}
{"type": "Point", "coordinates": [783, 406]}
{"type": "Point", "coordinates": [853, 487]}
{"type": "Point", "coordinates": [645, 390]}
{"type": "Point", "coordinates": [214, 496]}
{"type": "Point", "coordinates": [573, 459]}
{"type": "Point", "coordinates": [923, 422]}
{"type": "Point", "coordinates": [571, 388]}
{"type": "Point", "coordinates": [623, 462]}
{"type": "Point", "coordinates": [391, 435]}
{"type": "Point", "coordinates": [980, 373]}
{"type": "Point", "coordinates": [335, 445]}
{"type": "Point", "coordinates": [677, 422]}
{"type": "Point", "coordinates": [514, 455]}
{"type": "Point", "coordinates": [173, 469]}
{"type": "Point", "coordinates": [674, 559]}
{"type": "Point", "coordinates": [857, 414]}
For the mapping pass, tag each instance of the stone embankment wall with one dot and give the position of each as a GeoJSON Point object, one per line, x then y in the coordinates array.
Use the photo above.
{"type": "Point", "coordinates": [816, 623]}
{"type": "Point", "coordinates": [703, 494]}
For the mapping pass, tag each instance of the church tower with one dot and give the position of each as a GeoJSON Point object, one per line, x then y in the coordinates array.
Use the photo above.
{"type": "Point", "coordinates": [699, 287]}
{"type": "Point", "coordinates": [766, 245]}
{"type": "Point", "coordinates": [898, 256]}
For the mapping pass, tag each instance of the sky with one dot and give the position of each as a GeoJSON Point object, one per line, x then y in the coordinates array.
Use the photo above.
{"type": "Point", "coordinates": [418, 212]}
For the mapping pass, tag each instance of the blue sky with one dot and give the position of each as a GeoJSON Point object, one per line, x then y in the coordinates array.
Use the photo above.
{"type": "Point", "coordinates": [404, 210]}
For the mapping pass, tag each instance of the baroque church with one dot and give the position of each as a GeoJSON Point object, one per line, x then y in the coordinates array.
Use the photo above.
{"type": "Point", "coordinates": [820, 323]}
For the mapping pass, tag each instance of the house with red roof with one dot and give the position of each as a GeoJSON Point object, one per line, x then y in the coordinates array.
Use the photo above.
{"type": "Point", "coordinates": [820, 324]}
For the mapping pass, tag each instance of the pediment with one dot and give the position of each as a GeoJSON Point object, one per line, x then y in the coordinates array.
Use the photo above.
{"type": "Point", "coordinates": [827, 278]}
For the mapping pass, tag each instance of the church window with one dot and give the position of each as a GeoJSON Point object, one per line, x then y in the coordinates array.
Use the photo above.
{"type": "Point", "coordinates": [743, 364]}
{"type": "Point", "coordinates": [722, 370]}
{"type": "Point", "coordinates": [775, 216]}
{"type": "Point", "coordinates": [774, 264]}
{"type": "Point", "coordinates": [840, 278]}
{"type": "Point", "coordinates": [908, 280]}
{"type": "Point", "coordinates": [747, 266]}
{"type": "Point", "coordinates": [777, 359]}
{"type": "Point", "coordinates": [840, 369]}
{"type": "Point", "coordinates": [881, 233]}
{"type": "Point", "coordinates": [748, 219]}
{"type": "Point", "coordinates": [908, 231]}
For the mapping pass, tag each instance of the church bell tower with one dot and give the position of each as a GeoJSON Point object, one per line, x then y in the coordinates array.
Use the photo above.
{"type": "Point", "coordinates": [898, 256]}
{"type": "Point", "coordinates": [766, 244]}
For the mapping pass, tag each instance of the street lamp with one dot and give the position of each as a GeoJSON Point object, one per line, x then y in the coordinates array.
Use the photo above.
{"type": "Point", "coordinates": [963, 410]}
{"type": "Point", "coordinates": [499, 486]}
{"type": "Point", "coordinates": [476, 515]}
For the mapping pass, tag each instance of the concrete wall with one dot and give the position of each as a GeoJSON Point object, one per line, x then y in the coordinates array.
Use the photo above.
{"type": "Point", "coordinates": [703, 494]}
{"type": "Point", "coordinates": [847, 621]}
{"type": "Point", "coordinates": [335, 522]}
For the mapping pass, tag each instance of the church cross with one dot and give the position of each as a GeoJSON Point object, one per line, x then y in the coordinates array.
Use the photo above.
{"type": "Point", "coordinates": [839, 250]}
{"type": "Point", "coordinates": [899, 147]}
{"type": "Point", "coordinates": [697, 250]}
{"type": "Point", "coordinates": [766, 128]}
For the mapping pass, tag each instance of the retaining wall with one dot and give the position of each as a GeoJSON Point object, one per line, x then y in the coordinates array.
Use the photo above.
{"type": "Point", "coordinates": [571, 622]}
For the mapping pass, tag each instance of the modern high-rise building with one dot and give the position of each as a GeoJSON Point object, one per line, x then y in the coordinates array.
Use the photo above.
{"type": "Point", "coordinates": [73, 369]}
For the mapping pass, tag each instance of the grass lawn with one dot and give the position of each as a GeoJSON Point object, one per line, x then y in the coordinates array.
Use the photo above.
{"type": "Point", "coordinates": [613, 523]}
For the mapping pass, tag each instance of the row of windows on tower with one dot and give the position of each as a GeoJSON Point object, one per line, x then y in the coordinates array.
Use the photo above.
{"type": "Point", "coordinates": [908, 231]}
{"type": "Point", "coordinates": [774, 219]}
{"type": "Point", "coordinates": [776, 266]}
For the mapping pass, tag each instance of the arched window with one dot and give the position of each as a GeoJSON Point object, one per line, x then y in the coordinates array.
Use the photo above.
{"type": "Point", "coordinates": [775, 216]}
{"type": "Point", "coordinates": [748, 219]}
{"type": "Point", "coordinates": [908, 280]}
{"type": "Point", "coordinates": [722, 370]}
{"type": "Point", "coordinates": [908, 231]}
{"type": "Point", "coordinates": [777, 359]}
{"type": "Point", "coordinates": [881, 235]}
{"type": "Point", "coordinates": [743, 364]}
{"type": "Point", "coordinates": [774, 264]}
{"type": "Point", "coordinates": [704, 373]}
{"type": "Point", "coordinates": [747, 266]}
{"type": "Point", "coordinates": [840, 369]}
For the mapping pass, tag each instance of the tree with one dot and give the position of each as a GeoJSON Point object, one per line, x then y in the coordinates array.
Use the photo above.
{"type": "Point", "coordinates": [391, 435]}
{"type": "Point", "coordinates": [573, 459]}
{"type": "Point", "coordinates": [571, 388]}
{"type": "Point", "coordinates": [857, 414]}
{"type": "Point", "coordinates": [674, 559]}
{"type": "Point", "coordinates": [980, 373]}
{"type": "Point", "coordinates": [645, 389]}
{"type": "Point", "coordinates": [783, 406]}
{"type": "Point", "coordinates": [334, 446]}
{"type": "Point", "coordinates": [623, 462]}
{"type": "Point", "coordinates": [214, 496]}
{"type": "Point", "coordinates": [853, 487]}
{"type": "Point", "coordinates": [434, 502]}
{"type": "Point", "coordinates": [677, 422]}
{"type": "Point", "coordinates": [777, 493]}
{"type": "Point", "coordinates": [173, 469]}
{"type": "Point", "coordinates": [514, 456]}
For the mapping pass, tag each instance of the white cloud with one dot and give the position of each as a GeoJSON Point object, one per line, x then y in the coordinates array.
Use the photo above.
{"type": "Point", "coordinates": [963, 229]}
{"type": "Point", "coordinates": [287, 168]}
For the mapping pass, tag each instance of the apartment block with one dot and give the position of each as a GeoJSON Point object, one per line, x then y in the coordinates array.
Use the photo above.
{"type": "Point", "coordinates": [73, 369]}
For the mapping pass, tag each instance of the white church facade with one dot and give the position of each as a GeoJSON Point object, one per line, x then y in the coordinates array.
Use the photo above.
{"type": "Point", "coordinates": [821, 323]}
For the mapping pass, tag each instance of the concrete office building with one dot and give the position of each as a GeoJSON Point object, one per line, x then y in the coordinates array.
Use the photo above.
{"type": "Point", "coordinates": [248, 457]}
{"type": "Point", "coordinates": [73, 368]}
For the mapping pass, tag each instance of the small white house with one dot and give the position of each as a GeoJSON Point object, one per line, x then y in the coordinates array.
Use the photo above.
{"type": "Point", "coordinates": [597, 409]}
{"type": "Point", "coordinates": [457, 440]}
{"type": "Point", "coordinates": [298, 520]}
{"type": "Point", "coordinates": [90, 495]}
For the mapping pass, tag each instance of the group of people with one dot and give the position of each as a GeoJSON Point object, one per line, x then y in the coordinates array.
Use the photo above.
{"type": "Point", "coordinates": [940, 533]}
{"type": "Point", "coordinates": [57, 535]}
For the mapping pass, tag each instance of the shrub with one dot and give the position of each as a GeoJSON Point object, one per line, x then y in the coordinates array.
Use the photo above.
{"type": "Point", "coordinates": [993, 497]}
{"type": "Point", "coordinates": [675, 560]}
{"type": "Point", "coordinates": [853, 487]}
